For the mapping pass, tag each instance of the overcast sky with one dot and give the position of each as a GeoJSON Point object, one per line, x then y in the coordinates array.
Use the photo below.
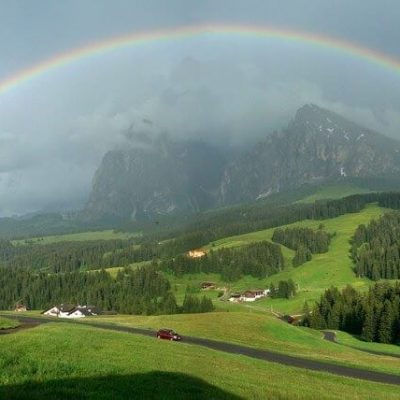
{"type": "Point", "coordinates": [55, 129]}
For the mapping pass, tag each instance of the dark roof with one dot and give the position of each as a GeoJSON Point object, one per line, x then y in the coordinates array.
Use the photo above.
{"type": "Point", "coordinates": [65, 307]}
{"type": "Point", "coordinates": [86, 310]}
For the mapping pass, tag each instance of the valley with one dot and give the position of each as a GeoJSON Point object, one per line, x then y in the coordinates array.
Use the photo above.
{"type": "Point", "coordinates": [253, 325]}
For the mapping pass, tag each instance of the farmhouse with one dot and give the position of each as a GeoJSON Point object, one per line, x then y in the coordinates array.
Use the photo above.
{"type": "Point", "coordinates": [20, 308]}
{"type": "Point", "coordinates": [253, 295]}
{"type": "Point", "coordinates": [249, 295]}
{"type": "Point", "coordinates": [71, 311]}
{"type": "Point", "coordinates": [208, 285]}
{"type": "Point", "coordinates": [196, 253]}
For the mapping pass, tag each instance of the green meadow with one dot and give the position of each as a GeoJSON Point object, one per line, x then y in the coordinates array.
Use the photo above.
{"type": "Point", "coordinates": [313, 277]}
{"type": "Point", "coordinates": [346, 339]}
{"type": "Point", "coordinates": [334, 192]}
{"type": "Point", "coordinates": [77, 237]}
{"type": "Point", "coordinates": [259, 330]}
{"type": "Point", "coordinates": [7, 323]}
{"type": "Point", "coordinates": [56, 361]}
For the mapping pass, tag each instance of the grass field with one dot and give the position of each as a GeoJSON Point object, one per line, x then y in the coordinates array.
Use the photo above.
{"type": "Point", "coordinates": [350, 340]}
{"type": "Point", "coordinates": [334, 192]}
{"type": "Point", "coordinates": [77, 237]}
{"type": "Point", "coordinates": [256, 329]}
{"type": "Point", "coordinates": [6, 323]}
{"type": "Point", "coordinates": [56, 361]}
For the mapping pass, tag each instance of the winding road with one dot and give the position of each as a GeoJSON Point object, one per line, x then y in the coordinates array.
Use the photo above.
{"type": "Point", "coordinates": [231, 348]}
{"type": "Point", "coordinates": [331, 337]}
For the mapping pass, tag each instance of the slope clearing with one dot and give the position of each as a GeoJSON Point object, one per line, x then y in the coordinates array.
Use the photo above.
{"type": "Point", "coordinates": [313, 277]}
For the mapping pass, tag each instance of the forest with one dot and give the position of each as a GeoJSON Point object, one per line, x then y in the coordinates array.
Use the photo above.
{"type": "Point", "coordinates": [374, 315]}
{"type": "Point", "coordinates": [376, 248]}
{"type": "Point", "coordinates": [305, 241]}
{"type": "Point", "coordinates": [87, 255]}
{"type": "Point", "coordinates": [140, 291]}
{"type": "Point", "coordinates": [259, 259]}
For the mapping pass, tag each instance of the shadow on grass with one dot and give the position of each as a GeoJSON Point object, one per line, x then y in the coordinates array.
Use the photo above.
{"type": "Point", "coordinates": [151, 385]}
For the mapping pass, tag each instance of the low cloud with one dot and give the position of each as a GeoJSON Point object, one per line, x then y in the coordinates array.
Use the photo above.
{"type": "Point", "coordinates": [52, 141]}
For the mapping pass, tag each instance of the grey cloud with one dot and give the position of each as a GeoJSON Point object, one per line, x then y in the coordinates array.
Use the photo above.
{"type": "Point", "coordinates": [229, 90]}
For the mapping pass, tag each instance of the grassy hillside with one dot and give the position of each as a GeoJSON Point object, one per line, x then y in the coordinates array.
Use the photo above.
{"type": "Point", "coordinates": [86, 363]}
{"type": "Point", "coordinates": [313, 277]}
{"type": "Point", "coordinates": [76, 237]}
{"type": "Point", "coordinates": [256, 329]}
{"type": "Point", "coordinates": [7, 323]}
{"type": "Point", "coordinates": [350, 340]}
{"type": "Point", "coordinates": [334, 191]}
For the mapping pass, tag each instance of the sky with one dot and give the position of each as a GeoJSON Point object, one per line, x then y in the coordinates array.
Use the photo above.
{"type": "Point", "coordinates": [227, 89]}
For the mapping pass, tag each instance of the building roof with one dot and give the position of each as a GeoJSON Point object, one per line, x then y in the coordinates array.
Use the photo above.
{"type": "Point", "coordinates": [65, 307]}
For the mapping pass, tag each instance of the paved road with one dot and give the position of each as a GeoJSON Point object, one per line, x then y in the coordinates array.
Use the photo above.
{"type": "Point", "coordinates": [265, 355]}
{"type": "Point", "coordinates": [331, 337]}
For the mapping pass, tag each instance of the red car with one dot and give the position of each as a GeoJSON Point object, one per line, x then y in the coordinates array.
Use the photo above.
{"type": "Point", "coordinates": [168, 334]}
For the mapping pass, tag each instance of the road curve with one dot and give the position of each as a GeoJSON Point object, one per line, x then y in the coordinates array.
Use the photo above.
{"type": "Point", "coordinates": [331, 337]}
{"type": "Point", "coordinates": [265, 355]}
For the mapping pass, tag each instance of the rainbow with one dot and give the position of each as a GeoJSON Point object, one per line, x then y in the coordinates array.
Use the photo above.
{"type": "Point", "coordinates": [141, 38]}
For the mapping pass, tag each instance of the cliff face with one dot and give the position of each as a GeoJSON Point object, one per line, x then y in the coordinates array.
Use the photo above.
{"type": "Point", "coordinates": [317, 145]}
{"type": "Point", "coordinates": [162, 178]}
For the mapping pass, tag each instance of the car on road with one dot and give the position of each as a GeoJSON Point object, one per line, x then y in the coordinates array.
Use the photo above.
{"type": "Point", "coordinates": [168, 334]}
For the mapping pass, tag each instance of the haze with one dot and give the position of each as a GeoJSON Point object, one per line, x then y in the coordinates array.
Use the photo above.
{"type": "Point", "coordinates": [227, 89]}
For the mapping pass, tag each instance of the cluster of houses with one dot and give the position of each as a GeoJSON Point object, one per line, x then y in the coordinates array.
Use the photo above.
{"type": "Point", "coordinates": [249, 295]}
{"type": "Point", "coordinates": [71, 311]}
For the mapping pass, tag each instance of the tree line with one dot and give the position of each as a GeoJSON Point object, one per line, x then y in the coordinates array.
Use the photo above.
{"type": "Point", "coordinates": [284, 289]}
{"type": "Point", "coordinates": [376, 248]}
{"type": "Point", "coordinates": [209, 227]}
{"type": "Point", "coordinates": [260, 259]}
{"type": "Point", "coordinates": [62, 256]}
{"type": "Point", "coordinates": [132, 291]}
{"type": "Point", "coordinates": [71, 256]}
{"type": "Point", "coordinates": [374, 315]}
{"type": "Point", "coordinates": [305, 241]}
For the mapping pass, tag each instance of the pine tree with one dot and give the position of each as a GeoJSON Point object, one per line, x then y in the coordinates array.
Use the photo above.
{"type": "Point", "coordinates": [386, 329]}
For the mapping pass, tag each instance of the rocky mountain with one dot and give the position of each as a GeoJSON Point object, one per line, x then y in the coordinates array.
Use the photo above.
{"type": "Point", "coordinates": [157, 177]}
{"type": "Point", "coordinates": [163, 177]}
{"type": "Point", "coordinates": [316, 146]}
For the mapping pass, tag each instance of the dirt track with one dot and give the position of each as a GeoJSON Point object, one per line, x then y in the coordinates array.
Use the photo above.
{"type": "Point", "coordinates": [265, 355]}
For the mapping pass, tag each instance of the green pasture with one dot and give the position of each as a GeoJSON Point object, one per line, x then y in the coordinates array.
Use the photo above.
{"type": "Point", "coordinates": [7, 323]}
{"type": "Point", "coordinates": [77, 237]}
{"type": "Point", "coordinates": [257, 329]}
{"type": "Point", "coordinates": [334, 192]}
{"type": "Point", "coordinates": [55, 361]}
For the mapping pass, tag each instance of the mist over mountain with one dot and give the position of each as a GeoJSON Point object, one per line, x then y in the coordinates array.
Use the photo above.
{"type": "Point", "coordinates": [165, 176]}
{"type": "Point", "coordinates": [317, 145]}
{"type": "Point", "coordinates": [162, 177]}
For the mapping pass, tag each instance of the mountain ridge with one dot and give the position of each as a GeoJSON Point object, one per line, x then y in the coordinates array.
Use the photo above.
{"type": "Point", "coordinates": [171, 177]}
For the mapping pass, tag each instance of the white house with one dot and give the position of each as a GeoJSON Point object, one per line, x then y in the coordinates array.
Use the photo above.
{"type": "Point", "coordinates": [250, 295]}
{"type": "Point", "coordinates": [234, 297]}
{"type": "Point", "coordinates": [60, 311]}
{"type": "Point", "coordinates": [71, 311]}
